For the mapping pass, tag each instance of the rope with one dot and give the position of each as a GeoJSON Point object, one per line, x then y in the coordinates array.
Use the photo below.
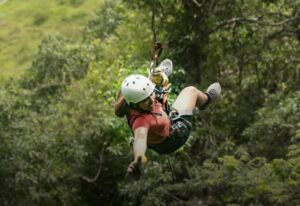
{"type": "Point", "coordinates": [153, 21]}
{"type": "Point", "coordinates": [157, 47]}
{"type": "Point", "coordinates": [154, 56]}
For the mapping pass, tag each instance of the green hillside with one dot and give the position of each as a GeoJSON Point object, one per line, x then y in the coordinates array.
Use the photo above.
{"type": "Point", "coordinates": [24, 23]}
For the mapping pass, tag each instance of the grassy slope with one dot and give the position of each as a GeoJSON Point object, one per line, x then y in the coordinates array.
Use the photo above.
{"type": "Point", "coordinates": [24, 23]}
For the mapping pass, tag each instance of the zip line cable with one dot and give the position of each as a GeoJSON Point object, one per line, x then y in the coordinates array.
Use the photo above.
{"type": "Point", "coordinates": [157, 46]}
{"type": "Point", "coordinates": [153, 21]}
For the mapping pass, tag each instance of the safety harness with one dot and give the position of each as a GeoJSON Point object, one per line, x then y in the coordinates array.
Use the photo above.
{"type": "Point", "coordinates": [180, 131]}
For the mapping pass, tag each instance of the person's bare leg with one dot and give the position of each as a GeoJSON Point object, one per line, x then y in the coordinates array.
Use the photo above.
{"type": "Point", "coordinates": [189, 98]}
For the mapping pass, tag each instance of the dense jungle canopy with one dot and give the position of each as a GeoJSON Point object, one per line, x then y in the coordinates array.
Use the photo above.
{"type": "Point", "coordinates": [62, 145]}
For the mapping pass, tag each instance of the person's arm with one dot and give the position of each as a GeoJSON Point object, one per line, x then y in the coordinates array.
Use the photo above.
{"type": "Point", "coordinates": [140, 143]}
{"type": "Point", "coordinates": [135, 168]}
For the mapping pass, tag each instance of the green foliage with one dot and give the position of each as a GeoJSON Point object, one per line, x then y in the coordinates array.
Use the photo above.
{"type": "Point", "coordinates": [113, 36]}
{"type": "Point", "coordinates": [274, 129]}
{"type": "Point", "coordinates": [53, 151]}
{"type": "Point", "coordinates": [105, 21]}
{"type": "Point", "coordinates": [62, 145]}
{"type": "Point", "coordinates": [57, 62]}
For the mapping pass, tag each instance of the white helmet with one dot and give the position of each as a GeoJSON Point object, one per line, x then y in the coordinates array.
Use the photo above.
{"type": "Point", "coordinates": [136, 88]}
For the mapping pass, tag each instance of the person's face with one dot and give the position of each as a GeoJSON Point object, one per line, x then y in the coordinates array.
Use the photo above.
{"type": "Point", "coordinates": [148, 103]}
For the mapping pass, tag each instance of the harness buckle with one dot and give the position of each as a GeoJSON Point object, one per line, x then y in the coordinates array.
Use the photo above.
{"type": "Point", "coordinates": [174, 115]}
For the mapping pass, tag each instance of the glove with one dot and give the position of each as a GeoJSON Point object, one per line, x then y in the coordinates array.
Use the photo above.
{"type": "Point", "coordinates": [135, 168]}
{"type": "Point", "coordinates": [159, 78]}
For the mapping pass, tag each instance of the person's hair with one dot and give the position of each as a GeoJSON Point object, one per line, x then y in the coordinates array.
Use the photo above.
{"type": "Point", "coordinates": [121, 106]}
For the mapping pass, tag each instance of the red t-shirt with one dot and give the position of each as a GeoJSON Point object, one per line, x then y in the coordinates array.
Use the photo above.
{"type": "Point", "coordinates": [157, 122]}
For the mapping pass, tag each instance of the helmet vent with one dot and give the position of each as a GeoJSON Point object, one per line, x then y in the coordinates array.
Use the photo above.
{"type": "Point", "coordinates": [136, 88]}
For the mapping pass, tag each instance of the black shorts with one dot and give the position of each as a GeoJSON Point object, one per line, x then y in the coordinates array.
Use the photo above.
{"type": "Point", "coordinates": [181, 129]}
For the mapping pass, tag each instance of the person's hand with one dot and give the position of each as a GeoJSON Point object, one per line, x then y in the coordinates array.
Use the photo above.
{"type": "Point", "coordinates": [159, 78]}
{"type": "Point", "coordinates": [135, 168]}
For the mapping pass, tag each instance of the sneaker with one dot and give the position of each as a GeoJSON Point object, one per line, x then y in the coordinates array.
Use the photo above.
{"type": "Point", "coordinates": [213, 91]}
{"type": "Point", "coordinates": [166, 67]}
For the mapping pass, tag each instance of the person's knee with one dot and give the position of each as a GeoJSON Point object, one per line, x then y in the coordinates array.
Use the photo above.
{"type": "Point", "coordinates": [190, 89]}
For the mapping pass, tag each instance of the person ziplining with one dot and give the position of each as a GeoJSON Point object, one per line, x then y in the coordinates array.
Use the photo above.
{"type": "Point", "coordinates": [154, 123]}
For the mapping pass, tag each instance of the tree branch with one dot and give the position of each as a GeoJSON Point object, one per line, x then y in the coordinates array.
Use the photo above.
{"type": "Point", "coordinates": [213, 6]}
{"type": "Point", "coordinates": [197, 3]}
{"type": "Point", "coordinates": [253, 20]}
{"type": "Point", "coordinates": [283, 21]}
{"type": "Point", "coordinates": [234, 21]}
{"type": "Point", "coordinates": [101, 157]}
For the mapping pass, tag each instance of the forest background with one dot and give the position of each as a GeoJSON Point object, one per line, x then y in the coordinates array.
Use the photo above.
{"type": "Point", "coordinates": [61, 67]}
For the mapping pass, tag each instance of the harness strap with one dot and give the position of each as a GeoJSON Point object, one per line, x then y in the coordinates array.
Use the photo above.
{"type": "Point", "coordinates": [175, 116]}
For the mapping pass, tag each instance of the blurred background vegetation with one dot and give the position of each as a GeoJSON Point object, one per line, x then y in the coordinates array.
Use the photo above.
{"type": "Point", "coordinates": [25, 23]}
{"type": "Point", "coordinates": [62, 63]}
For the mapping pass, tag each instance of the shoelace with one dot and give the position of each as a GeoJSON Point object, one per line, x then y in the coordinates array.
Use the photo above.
{"type": "Point", "coordinates": [212, 93]}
